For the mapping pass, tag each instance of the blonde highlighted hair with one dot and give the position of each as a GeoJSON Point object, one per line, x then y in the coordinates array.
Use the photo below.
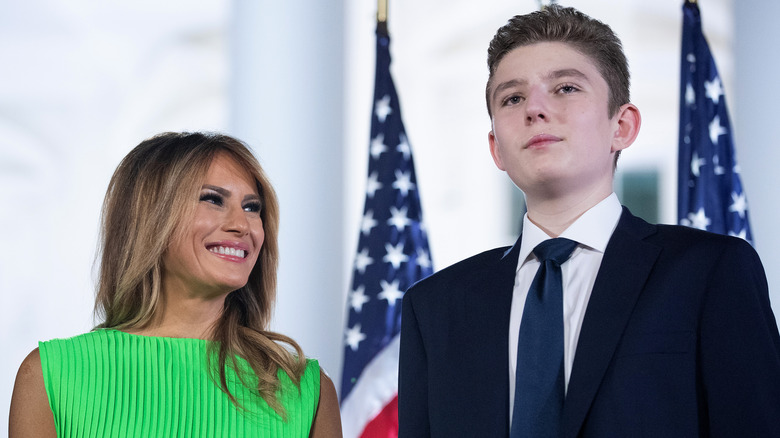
{"type": "Point", "coordinates": [149, 199]}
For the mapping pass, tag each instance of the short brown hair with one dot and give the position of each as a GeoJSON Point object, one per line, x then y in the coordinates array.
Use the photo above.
{"type": "Point", "coordinates": [589, 36]}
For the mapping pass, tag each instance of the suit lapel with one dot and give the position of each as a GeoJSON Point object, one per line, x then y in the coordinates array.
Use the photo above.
{"type": "Point", "coordinates": [624, 269]}
{"type": "Point", "coordinates": [487, 306]}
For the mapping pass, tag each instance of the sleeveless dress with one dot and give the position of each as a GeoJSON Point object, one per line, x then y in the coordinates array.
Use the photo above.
{"type": "Point", "coordinates": [108, 383]}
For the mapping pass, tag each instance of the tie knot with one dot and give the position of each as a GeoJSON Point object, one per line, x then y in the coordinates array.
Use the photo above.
{"type": "Point", "coordinates": [558, 250]}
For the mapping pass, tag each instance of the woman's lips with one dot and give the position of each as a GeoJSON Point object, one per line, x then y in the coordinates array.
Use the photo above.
{"type": "Point", "coordinates": [238, 250]}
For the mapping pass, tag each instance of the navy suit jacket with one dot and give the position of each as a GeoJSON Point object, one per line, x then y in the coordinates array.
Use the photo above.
{"type": "Point", "coordinates": [678, 340]}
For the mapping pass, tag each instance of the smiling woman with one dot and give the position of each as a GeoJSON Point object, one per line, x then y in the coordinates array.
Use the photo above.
{"type": "Point", "coordinates": [223, 238]}
{"type": "Point", "coordinates": [186, 289]}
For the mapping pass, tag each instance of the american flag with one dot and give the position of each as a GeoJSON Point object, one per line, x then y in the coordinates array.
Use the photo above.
{"type": "Point", "coordinates": [710, 195]}
{"type": "Point", "coordinates": [392, 254]}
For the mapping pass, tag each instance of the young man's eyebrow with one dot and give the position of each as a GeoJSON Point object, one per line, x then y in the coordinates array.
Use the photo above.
{"type": "Point", "coordinates": [566, 73]}
{"type": "Point", "coordinates": [508, 84]}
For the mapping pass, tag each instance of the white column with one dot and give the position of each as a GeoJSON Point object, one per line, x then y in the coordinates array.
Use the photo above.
{"type": "Point", "coordinates": [286, 102]}
{"type": "Point", "coordinates": [756, 116]}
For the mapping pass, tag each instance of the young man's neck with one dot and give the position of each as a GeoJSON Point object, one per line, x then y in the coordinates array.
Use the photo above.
{"type": "Point", "coordinates": [554, 215]}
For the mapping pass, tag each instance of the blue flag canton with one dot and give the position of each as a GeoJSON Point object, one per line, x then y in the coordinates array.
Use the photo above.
{"type": "Point", "coordinates": [710, 195]}
{"type": "Point", "coordinates": [393, 246]}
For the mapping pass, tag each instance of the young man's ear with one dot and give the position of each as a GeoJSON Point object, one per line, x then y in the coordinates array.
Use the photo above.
{"type": "Point", "coordinates": [627, 120]}
{"type": "Point", "coordinates": [494, 151]}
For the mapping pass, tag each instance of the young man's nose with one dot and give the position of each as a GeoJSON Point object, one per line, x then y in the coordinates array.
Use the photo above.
{"type": "Point", "coordinates": [536, 106]}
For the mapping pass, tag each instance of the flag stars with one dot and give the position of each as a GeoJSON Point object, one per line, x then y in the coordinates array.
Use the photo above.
{"type": "Point", "coordinates": [378, 146]}
{"type": "Point", "coordinates": [696, 164]}
{"type": "Point", "coordinates": [716, 130]}
{"type": "Point", "coordinates": [403, 182]}
{"type": "Point", "coordinates": [699, 220]}
{"type": "Point", "coordinates": [367, 223]}
{"type": "Point", "coordinates": [423, 259]}
{"type": "Point", "coordinates": [738, 204]}
{"type": "Point", "coordinates": [357, 298]}
{"type": "Point", "coordinates": [395, 255]}
{"type": "Point", "coordinates": [404, 148]}
{"type": "Point", "coordinates": [690, 95]}
{"type": "Point", "coordinates": [742, 234]}
{"type": "Point", "coordinates": [373, 185]}
{"type": "Point", "coordinates": [362, 261]}
{"type": "Point", "coordinates": [712, 192]}
{"type": "Point", "coordinates": [713, 90]}
{"type": "Point", "coordinates": [383, 109]}
{"type": "Point", "coordinates": [718, 169]}
{"type": "Point", "coordinates": [390, 292]}
{"type": "Point", "coordinates": [354, 337]}
{"type": "Point", "coordinates": [399, 218]}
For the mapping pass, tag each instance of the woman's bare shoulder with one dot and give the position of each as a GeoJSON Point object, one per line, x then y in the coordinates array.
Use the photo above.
{"type": "Point", "coordinates": [30, 414]}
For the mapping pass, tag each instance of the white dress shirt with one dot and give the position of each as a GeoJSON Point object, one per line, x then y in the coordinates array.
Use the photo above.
{"type": "Point", "coordinates": [592, 232]}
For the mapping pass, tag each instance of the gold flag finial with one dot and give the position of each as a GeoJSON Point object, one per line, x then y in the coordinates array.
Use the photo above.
{"type": "Point", "coordinates": [381, 11]}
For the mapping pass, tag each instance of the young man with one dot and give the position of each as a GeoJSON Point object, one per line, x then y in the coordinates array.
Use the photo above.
{"type": "Point", "coordinates": [666, 331]}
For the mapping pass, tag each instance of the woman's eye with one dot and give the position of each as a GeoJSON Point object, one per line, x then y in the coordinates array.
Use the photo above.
{"type": "Point", "coordinates": [253, 207]}
{"type": "Point", "coordinates": [211, 198]}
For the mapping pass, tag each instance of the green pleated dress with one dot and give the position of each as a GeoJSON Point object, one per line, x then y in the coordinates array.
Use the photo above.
{"type": "Point", "coordinates": [108, 383]}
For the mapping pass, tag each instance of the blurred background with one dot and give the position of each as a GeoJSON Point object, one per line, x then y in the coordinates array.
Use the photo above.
{"type": "Point", "coordinates": [82, 82]}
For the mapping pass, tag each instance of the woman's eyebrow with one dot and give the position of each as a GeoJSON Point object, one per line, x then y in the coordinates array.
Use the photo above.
{"type": "Point", "coordinates": [222, 191]}
{"type": "Point", "coordinates": [226, 193]}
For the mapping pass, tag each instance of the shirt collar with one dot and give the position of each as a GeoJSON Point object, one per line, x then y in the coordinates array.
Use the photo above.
{"type": "Point", "coordinates": [593, 229]}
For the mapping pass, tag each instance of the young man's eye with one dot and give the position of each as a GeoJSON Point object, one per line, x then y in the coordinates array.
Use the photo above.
{"type": "Point", "coordinates": [253, 207]}
{"type": "Point", "coordinates": [567, 89]}
{"type": "Point", "coordinates": [211, 198]}
{"type": "Point", "coordinates": [513, 100]}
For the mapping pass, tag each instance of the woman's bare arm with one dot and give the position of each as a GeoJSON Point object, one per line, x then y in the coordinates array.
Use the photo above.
{"type": "Point", "coordinates": [327, 419]}
{"type": "Point", "coordinates": [30, 414]}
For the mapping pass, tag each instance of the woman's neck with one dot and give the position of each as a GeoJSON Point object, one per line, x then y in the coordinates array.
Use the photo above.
{"type": "Point", "coordinates": [182, 316]}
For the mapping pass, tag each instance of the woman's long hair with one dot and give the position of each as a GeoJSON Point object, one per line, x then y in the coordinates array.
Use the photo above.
{"type": "Point", "coordinates": [149, 200]}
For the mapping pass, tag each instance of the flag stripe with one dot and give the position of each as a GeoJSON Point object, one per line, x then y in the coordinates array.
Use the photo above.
{"type": "Point", "coordinates": [375, 390]}
{"type": "Point", "coordinates": [384, 423]}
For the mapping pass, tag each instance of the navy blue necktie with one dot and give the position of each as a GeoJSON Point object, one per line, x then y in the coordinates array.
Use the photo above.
{"type": "Point", "coordinates": [539, 385]}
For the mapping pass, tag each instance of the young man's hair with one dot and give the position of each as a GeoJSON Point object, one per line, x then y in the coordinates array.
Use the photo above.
{"type": "Point", "coordinates": [589, 36]}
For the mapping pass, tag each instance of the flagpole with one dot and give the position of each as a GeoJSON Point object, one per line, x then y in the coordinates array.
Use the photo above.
{"type": "Point", "coordinates": [381, 16]}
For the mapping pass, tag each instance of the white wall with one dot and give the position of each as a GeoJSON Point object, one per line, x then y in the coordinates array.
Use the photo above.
{"type": "Point", "coordinates": [755, 114]}
{"type": "Point", "coordinates": [81, 83]}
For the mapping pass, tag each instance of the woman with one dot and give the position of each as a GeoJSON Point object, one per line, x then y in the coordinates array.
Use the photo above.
{"type": "Point", "coordinates": [186, 289]}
